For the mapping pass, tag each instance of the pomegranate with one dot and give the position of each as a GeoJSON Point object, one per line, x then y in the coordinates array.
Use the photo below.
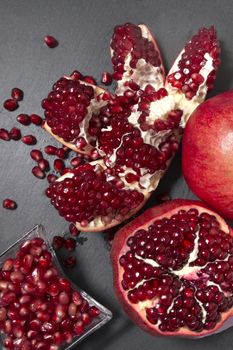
{"type": "Point", "coordinates": [130, 136]}
{"type": "Point", "coordinates": [39, 309]}
{"type": "Point", "coordinates": [208, 139]}
{"type": "Point", "coordinates": [172, 270]}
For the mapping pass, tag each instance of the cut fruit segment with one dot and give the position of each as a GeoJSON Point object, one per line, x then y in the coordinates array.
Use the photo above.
{"type": "Point", "coordinates": [172, 270]}
{"type": "Point", "coordinates": [134, 134]}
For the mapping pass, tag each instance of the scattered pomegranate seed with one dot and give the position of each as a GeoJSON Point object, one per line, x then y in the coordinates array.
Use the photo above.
{"type": "Point", "coordinates": [76, 75]}
{"type": "Point", "coordinates": [29, 140]}
{"type": "Point", "coordinates": [36, 119]}
{"type": "Point", "coordinates": [51, 178]}
{"type": "Point", "coordinates": [51, 150]}
{"type": "Point", "coordinates": [73, 230]}
{"type": "Point", "coordinates": [76, 161]}
{"type": "Point", "coordinates": [37, 172]}
{"type": "Point", "coordinates": [70, 261]}
{"type": "Point", "coordinates": [93, 311]}
{"type": "Point", "coordinates": [50, 41]}
{"type": "Point", "coordinates": [90, 80]}
{"type": "Point", "coordinates": [4, 135]}
{"type": "Point", "coordinates": [17, 94]}
{"type": "Point", "coordinates": [36, 155]}
{"type": "Point", "coordinates": [58, 165]}
{"type": "Point", "coordinates": [43, 164]}
{"type": "Point", "coordinates": [106, 78]}
{"type": "Point", "coordinates": [60, 153]}
{"type": "Point", "coordinates": [58, 242]}
{"type": "Point", "coordinates": [9, 204]}
{"type": "Point", "coordinates": [15, 134]}
{"type": "Point", "coordinates": [24, 119]}
{"type": "Point", "coordinates": [10, 104]}
{"type": "Point", "coordinates": [70, 244]}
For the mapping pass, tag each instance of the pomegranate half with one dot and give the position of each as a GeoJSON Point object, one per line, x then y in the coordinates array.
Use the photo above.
{"type": "Point", "coordinates": [131, 135]}
{"type": "Point", "coordinates": [172, 269]}
{"type": "Point", "coordinates": [208, 152]}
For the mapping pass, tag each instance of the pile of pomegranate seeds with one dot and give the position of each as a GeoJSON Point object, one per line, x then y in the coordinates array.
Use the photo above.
{"type": "Point", "coordinates": [179, 270]}
{"type": "Point", "coordinates": [39, 309]}
{"type": "Point", "coordinates": [12, 104]}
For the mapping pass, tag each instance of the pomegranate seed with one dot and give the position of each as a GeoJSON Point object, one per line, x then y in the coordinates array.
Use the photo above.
{"type": "Point", "coordinates": [60, 153]}
{"type": "Point", "coordinates": [50, 41]}
{"type": "Point", "coordinates": [15, 134]}
{"type": "Point", "coordinates": [11, 105]}
{"type": "Point", "coordinates": [58, 165]}
{"type": "Point", "coordinates": [24, 119]}
{"type": "Point", "coordinates": [93, 311]}
{"type": "Point", "coordinates": [17, 94]}
{"type": "Point", "coordinates": [36, 119]}
{"type": "Point", "coordinates": [29, 140]}
{"type": "Point", "coordinates": [73, 230]}
{"type": "Point", "coordinates": [70, 244]}
{"type": "Point", "coordinates": [43, 164]}
{"type": "Point", "coordinates": [36, 155]}
{"type": "Point", "coordinates": [90, 80]}
{"type": "Point", "coordinates": [51, 150]}
{"type": "Point", "coordinates": [70, 261]}
{"type": "Point", "coordinates": [64, 284]}
{"type": "Point", "coordinates": [4, 135]}
{"type": "Point", "coordinates": [76, 161]}
{"type": "Point", "coordinates": [79, 328]}
{"type": "Point", "coordinates": [37, 172]}
{"type": "Point", "coordinates": [106, 78]}
{"type": "Point", "coordinates": [51, 178]}
{"type": "Point", "coordinates": [58, 242]}
{"type": "Point", "coordinates": [9, 204]}
{"type": "Point", "coordinates": [76, 75]}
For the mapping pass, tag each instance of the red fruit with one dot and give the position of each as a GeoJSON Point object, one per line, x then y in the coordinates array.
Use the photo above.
{"type": "Point", "coordinates": [15, 134]}
{"type": "Point", "coordinates": [17, 94]}
{"type": "Point", "coordinates": [129, 137]}
{"type": "Point", "coordinates": [50, 41]}
{"type": "Point", "coordinates": [106, 78]}
{"type": "Point", "coordinates": [51, 178]}
{"type": "Point", "coordinates": [70, 244]}
{"type": "Point", "coordinates": [208, 151]}
{"type": "Point", "coordinates": [36, 119]}
{"type": "Point", "coordinates": [58, 165]}
{"type": "Point", "coordinates": [70, 261]}
{"type": "Point", "coordinates": [37, 172]}
{"type": "Point", "coordinates": [43, 164]}
{"type": "Point", "coordinates": [51, 150]}
{"type": "Point", "coordinates": [24, 119]}
{"type": "Point", "coordinates": [11, 104]}
{"type": "Point", "coordinates": [4, 135]}
{"type": "Point", "coordinates": [9, 204]}
{"type": "Point", "coordinates": [165, 266]}
{"type": "Point", "coordinates": [29, 140]}
{"type": "Point", "coordinates": [73, 230]}
{"type": "Point", "coordinates": [60, 153]}
{"type": "Point", "coordinates": [36, 155]}
{"type": "Point", "coordinates": [58, 242]}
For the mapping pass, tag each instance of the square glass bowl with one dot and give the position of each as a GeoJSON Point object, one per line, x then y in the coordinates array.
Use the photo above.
{"type": "Point", "coordinates": [97, 322]}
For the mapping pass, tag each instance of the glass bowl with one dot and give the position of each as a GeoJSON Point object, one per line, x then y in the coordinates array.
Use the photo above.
{"type": "Point", "coordinates": [97, 322]}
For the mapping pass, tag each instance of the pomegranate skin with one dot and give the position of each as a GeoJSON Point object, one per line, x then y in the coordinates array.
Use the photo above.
{"type": "Point", "coordinates": [207, 153]}
{"type": "Point", "coordinates": [119, 247]}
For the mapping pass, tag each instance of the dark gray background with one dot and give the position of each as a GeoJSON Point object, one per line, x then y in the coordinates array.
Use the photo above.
{"type": "Point", "coordinates": [83, 29]}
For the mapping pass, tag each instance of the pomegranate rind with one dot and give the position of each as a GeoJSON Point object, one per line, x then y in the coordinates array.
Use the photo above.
{"type": "Point", "coordinates": [119, 247]}
{"type": "Point", "coordinates": [214, 157]}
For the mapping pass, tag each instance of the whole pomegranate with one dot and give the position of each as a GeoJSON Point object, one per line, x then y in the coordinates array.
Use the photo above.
{"type": "Point", "coordinates": [172, 269]}
{"type": "Point", "coordinates": [130, 136]}
{"type": "Point", "coordinates": [207, 157]}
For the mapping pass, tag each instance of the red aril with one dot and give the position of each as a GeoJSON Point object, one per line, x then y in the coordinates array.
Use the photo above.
{"type": "Point", "coordinates": [11, 105]}
{"type": "Point", "coordinates": [58, 165]}
{"type": "Point", "coordinates": [29, 140]}
{"type": "Point", "coordinates": [37, 172]}
{"type": "Point", "coordinates": [208, 151]}
{"type": "Point", "coordinates": [70, 261]}
{"type": "Point", "coordinates": [43, 164]}
{"type": "Point", "coordinates": [4, 135]}
{"type": "Point", "coordinates": [36, 119]}
{"type": "Point", "coordinates": [36, 155]}
{"type": "Point", "coordinates": [50, 41]}
{"type": "Point", "coordinates": [166, 266]}
{"type": "Point", "coordinates": [106, 78]}
{"type": "Point", "coordinates": [24, 119]}
{"type": "Point", "coordinates": [9, 204]}
{"type": "Point", "coordinates": [51, 150]}
{"type": "Point", "coordinates": [17, 94]}
{"type": "Point", "coordinates": [51, 178]}
{"type": "Point", "coordinates": [73, 230]}
{"type": "Point", "coordinates": [70, 244]}
{"type": "Point", "coordinates": [58, 242]}
{"type": "Point", "coordinates": [15, 134]}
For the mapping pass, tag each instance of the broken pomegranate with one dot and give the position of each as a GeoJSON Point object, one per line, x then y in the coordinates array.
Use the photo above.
{"type": "Point", "coordinates": [130, 136]}
{"type": "Point", "coordinates": [39, 308]}
{"type": "Point", "coordinates": [172, 270]}
{"type": "Point", "coordinates": [208, 139]}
